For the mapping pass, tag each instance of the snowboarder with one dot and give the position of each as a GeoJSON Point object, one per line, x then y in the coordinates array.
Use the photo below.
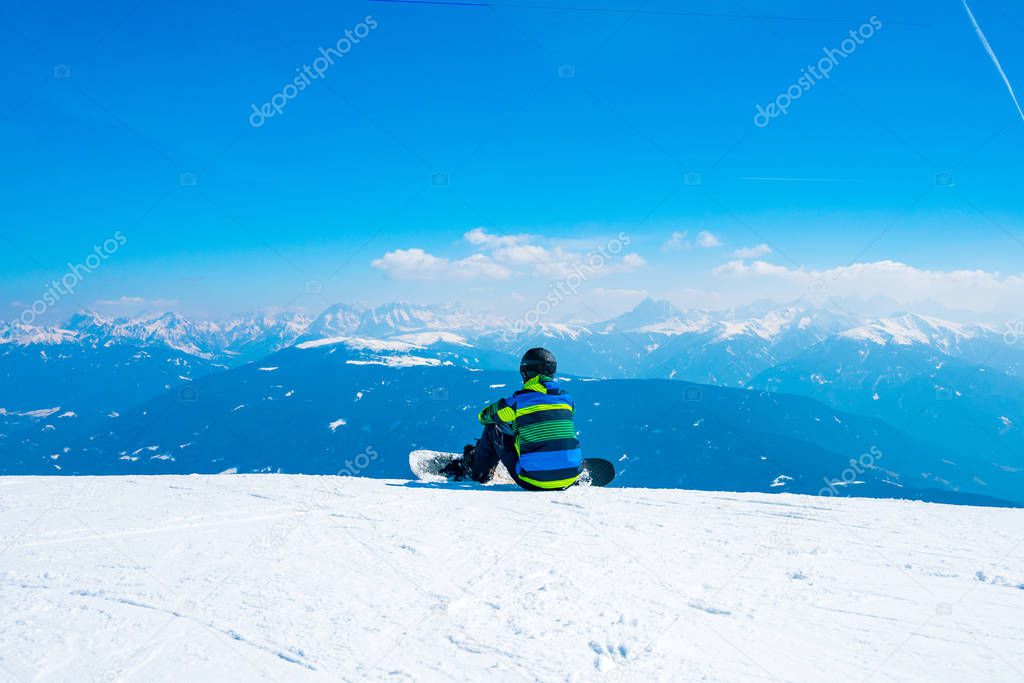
{"type": "Point", "coordinates": [531, 433]}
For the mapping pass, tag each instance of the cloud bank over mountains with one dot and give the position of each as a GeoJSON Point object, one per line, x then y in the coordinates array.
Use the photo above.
{"type": "Point", "coordinates": [975, 290]}
{"type": "Point", "coordinates": [500, 257]}
{"type": "Point", "coordinates": [690, 270]}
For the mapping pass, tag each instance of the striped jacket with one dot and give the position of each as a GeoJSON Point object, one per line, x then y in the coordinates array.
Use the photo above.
{"type": "Point", "coordinates": [540, 416]}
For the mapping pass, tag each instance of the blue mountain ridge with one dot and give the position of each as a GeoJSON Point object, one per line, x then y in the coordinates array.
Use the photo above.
{"type": "Point", "coordinates": [324, 410]}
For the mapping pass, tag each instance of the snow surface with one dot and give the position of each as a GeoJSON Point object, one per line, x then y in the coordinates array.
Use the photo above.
{"type": "Point", "coordinates": [41, 413]}
{"type": "Point", "coordinates": [424, 339]}
{"type": "Point", "coordinates": [909, 329]}
{"type": "Point", "coordinates": [359, 343]}
{"type": "Point", "coordinates": [401, 361]}
{"type": "Point", "coordinates": [293, 578]}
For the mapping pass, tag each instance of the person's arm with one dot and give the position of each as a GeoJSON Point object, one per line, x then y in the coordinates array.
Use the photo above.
{"type": "Point", "coordinates": [498, 413]}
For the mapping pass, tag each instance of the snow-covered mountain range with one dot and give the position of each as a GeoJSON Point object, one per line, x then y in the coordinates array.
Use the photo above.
{"type": "Point", "coordinates": [235, 339]}
{"type": "Point", "coordinates": [388, 320]}
{"type": "Point", "coordinates": [655, 339]}
{"type": "Point", "coordinates": [954, 388]}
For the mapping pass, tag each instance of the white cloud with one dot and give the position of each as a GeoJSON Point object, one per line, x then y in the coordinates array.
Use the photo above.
{"type": "Point", "coordinates": [977, 290]}
{"type": "Point", "coordinates": [417, 264]}
{"type": "Point", "coordinates": [121, 300]}
{"type": "Point", "coordinates": [135, 301]}
{"type": "Point", "coordinates": [479, 237]}
{"type": "Point", "coordinates": [507, 255]}
{"type": "Point", "coordinates": [633, 261]}
{"type": "Point", "coordinates": [753, 252]}
{"type": "Point", "coordinates": [740, 267]}
{"type": "Point", "coordinates": [708, 240]}
{"type": "Point", "coordinates": [676, 241]}
{"type": "Point", "coordinates": [632, 293]}
{"type": "Point", "coordinates": [557, 263]}
{"type": "Point", "coordinates": [532, 255]}
{"type": "Point", "coordinates": [519, 251]}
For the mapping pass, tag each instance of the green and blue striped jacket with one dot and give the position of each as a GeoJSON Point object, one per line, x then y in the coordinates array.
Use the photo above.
{"type": "Point", "coordinates": [540, 416]}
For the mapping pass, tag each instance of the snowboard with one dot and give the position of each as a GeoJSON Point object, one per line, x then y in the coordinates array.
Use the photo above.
{"type": "Point", "coordinates": [427, 465]}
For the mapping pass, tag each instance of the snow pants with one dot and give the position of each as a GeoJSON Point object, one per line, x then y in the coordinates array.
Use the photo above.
{"type": "Point", "coordinates": [496, 446]}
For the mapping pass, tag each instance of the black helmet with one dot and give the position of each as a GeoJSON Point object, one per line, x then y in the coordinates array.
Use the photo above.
{"type": "Point", "coordinates": [537, 362]}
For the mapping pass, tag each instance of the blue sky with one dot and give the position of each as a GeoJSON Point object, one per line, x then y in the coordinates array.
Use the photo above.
{"type": "Point", "coordinates": [135, 118]}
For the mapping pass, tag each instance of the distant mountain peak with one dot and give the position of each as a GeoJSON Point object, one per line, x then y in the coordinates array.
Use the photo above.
{"type": "Point", "coordinates": [657, 315]}
{"type": "Point", "coordinates": [656, 307]}
{"type": "Point", "coordinates": [906, 329]}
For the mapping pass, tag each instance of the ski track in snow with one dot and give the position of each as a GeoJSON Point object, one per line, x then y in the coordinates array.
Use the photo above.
{"type": "Point", "coordinates": [294, 578]}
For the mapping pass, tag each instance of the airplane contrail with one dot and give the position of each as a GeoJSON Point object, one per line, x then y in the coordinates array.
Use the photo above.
{"type": "Point", "coordinates": [992, 54]}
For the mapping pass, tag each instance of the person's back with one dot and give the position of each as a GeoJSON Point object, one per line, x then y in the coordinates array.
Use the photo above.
{"type": "Point", "coordinates": [532, 432]}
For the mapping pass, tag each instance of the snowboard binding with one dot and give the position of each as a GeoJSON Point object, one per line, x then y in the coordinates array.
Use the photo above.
{"type": "Point", "coordinates": [460, 469]}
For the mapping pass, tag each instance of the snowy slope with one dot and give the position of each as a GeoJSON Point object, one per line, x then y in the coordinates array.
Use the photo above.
{"type": "Point", "coordinates": [230, 578]}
